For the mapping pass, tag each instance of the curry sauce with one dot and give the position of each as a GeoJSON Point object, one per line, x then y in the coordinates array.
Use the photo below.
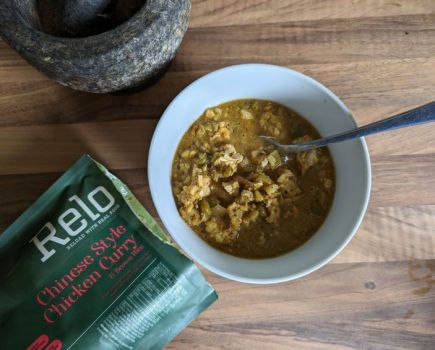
{"type": "Point", "coordinates": [237, 193]}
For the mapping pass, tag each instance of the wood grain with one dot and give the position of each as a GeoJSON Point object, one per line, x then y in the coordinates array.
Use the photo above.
{"type": "Point", "coordinates": [211, 13]}
{"type": "Point", "coordinates": [343, 306]}
{"type": "Point", "coordinates": [377, 56]}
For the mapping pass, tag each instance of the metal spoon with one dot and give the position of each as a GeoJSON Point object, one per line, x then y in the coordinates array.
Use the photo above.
{"type": "Point", "coordinates": [419, 115]}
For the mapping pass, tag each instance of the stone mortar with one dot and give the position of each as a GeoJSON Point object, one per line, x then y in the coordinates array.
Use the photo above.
{"type": "Point", "coordinates": [132, 54]}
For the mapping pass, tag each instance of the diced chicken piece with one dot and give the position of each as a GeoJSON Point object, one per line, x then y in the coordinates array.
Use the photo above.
{"type": "Point", "coordinates": [246, 166]}
{"type": "Point", "coordinates": [272, 190]}
{"type": "Point", "coordinates": [190, 214]}
{"type": "Point", "coordinates": [274, 159]}
{"type": "Point", "coordinates": [288, 183]}
{"type": "Point", "coordinates": [211, 226]}
{"type": "Point", "coordinates": [257, 185]}
{"type": "Point", "coordinates": [250, 216]}
{"type": "Point", "coordinates": [217, 126]}
{"type": "Point", "coordinates": [236, 212]}
{"type": "Point", "coordinates": [222, 135]}
{"type": "Point", "coordinates": [200, 131]}
{"type": "Point", "coordinates": [268, 106]}
{"type": "Point", "coordinates": [183, 167]}
{"type": "Point", "coordinates": [205, 208]}
{"type": "Point", "coordinates": [216, 229]}
{"type": "Point", "coordinates": [245, 162]}
{"type": "Point", "coordinates": [285, 175]}
{"type": "Point", "coordinates": [209, 113]}
{"type": "Point", "coordinates": [271, 124]}
{"type": "Point", "coordinates": [213, 113]}
{"type": "Point", "coordinates": [201, 159]}
{"type": "Point", "coordinates": [231, 187]}
{"type": "Point", "coordinates": [244, 182]}
{"type": "Point", "coordinates": [246, 114]}
{"type": "Point", "coordinates": [262, 178]}
{"type": "Point", "coordinates": [197, 190]}
{"type": "Point", "coordinates": [187, 154]}
{"type": "Point", "coordinates": [274, 211]}
{"type": "Point", "coordinates": [218, 111]}
{"type": "Point", "coordinates": [306, 160]}
{"type": "Point", "coordinates": [246, 196]}
{"type": "Point", "coordinates": [203, 146]}
{"type": "Point", "coordinates": [258, 196]}
{"type": "Point", "coordinates": [226, 162]}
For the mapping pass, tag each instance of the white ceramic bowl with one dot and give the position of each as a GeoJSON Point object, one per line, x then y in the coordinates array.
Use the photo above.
{"type": "Point", "coordinates": [303, 95]}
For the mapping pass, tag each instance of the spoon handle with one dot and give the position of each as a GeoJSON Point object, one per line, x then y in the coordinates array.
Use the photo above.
{"type": "Point", "coordinates": [416, 116]}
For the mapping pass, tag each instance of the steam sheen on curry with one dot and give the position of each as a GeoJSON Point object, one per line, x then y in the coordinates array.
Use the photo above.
{"type": "Point", "coordinates": [237, 193]}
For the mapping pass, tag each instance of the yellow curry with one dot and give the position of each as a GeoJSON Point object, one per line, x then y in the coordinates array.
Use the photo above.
{"type": "Point", "coordinates": [237, 193]}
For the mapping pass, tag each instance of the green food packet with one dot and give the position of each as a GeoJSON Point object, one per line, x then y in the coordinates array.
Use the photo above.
{"type": "Point", "coordinates": [87, 267]}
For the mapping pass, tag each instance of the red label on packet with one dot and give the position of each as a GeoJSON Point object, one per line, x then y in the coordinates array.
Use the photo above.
{"type": "Point", "coordinates": [41, 342]}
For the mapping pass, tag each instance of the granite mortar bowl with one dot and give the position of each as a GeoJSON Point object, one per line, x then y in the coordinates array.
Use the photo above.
{"type": "Point", "coordinates": [98, 46]}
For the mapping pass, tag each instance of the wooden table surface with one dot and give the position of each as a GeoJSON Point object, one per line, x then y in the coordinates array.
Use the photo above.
{"type": "Point", "coordinates": [378, 56]}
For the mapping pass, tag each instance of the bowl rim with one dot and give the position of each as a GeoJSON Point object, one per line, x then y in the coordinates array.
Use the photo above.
{"type": "Point", "coordinates": [367, 177]}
